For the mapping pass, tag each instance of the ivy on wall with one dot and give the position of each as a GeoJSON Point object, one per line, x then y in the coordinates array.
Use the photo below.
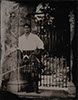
{"type": "Point", "coordinates": [13, 18]}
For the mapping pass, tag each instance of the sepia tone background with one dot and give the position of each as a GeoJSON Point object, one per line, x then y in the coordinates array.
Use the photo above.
{"type": "Point", "coordinates": [56, 29]}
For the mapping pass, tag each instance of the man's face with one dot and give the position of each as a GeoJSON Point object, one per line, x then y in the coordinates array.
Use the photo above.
{"type": "Point", "coordinates": [27, 30]}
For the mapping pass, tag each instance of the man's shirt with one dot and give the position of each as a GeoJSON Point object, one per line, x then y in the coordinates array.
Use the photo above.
{"type": "Point", "coordinates": [31, 42]}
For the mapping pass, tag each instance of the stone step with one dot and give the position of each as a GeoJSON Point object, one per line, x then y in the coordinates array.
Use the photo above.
{"type": "Point", "coordinates": [47, 95]}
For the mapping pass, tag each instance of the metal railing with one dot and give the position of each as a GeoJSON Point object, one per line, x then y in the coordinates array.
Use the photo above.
{"type": "Point", "coordinates": [55, 73]}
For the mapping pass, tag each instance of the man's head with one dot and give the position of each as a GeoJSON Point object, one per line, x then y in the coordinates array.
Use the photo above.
{"type": "Point", "coordinates": [26, 29]}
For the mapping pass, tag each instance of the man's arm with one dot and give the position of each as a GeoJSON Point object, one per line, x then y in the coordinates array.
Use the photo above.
{"type": "Point", "coordinates": [39, 43]}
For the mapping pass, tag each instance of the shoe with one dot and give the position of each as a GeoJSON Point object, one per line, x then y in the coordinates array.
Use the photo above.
{"type": "Point", "coordinates": [38, 91]}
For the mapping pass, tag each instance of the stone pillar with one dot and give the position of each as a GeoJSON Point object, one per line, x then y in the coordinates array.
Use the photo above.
{"type": "Point", "coordinates": [13, 17]}
{"type": "Point", "coordinates": [9, 37]}
{"type": "Point", "coordinates": [71, 86]}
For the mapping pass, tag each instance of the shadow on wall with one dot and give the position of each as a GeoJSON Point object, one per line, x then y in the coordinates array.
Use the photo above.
{"type": "Point", "coordinates": [5, 95]}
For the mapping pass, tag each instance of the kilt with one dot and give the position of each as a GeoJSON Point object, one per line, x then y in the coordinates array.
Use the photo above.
{"type": "Point", "coordinates": [30, 72]}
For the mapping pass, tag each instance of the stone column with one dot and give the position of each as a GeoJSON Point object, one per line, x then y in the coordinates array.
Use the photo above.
{"type": "Point", "coordinates": [71, 86]}
{"type": "Point", "coordinates": [9, 35]}
{"type": "Point", "coordinates": [13, 17]}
